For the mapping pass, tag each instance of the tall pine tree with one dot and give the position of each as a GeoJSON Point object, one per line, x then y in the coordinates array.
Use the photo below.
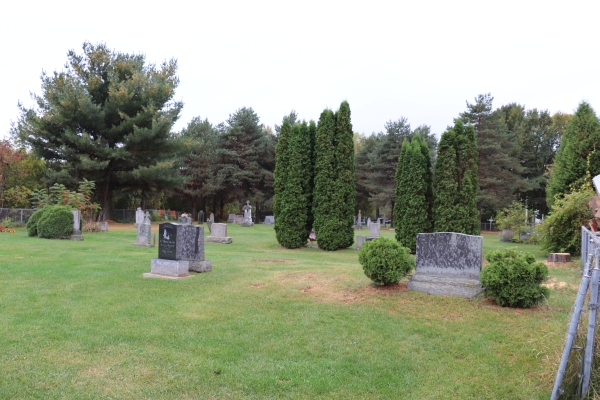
{"type": "Point", "coordinates": [414, 190]}
{"type": "Point", "coordinates": [578, 154]}
{"type": "Point", "coordinates": [455, 182]}
{"type": "Point", "coordinates": [281, 167]}
{"type": "Point", "coordinates": [344, 171]}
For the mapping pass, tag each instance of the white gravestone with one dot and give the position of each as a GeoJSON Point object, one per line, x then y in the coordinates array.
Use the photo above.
{"type": "Point", "coordinates": [76, 235]}
{"type": "Point", "coordinates": [218, 234]}
{"type": "Point", "coordinates": [139, 217]}
{"type": "Point", "coordinates": [144, 234]}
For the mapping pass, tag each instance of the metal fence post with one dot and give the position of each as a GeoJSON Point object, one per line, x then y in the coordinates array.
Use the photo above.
{"type": "Point", "coordinates": [593, 308]}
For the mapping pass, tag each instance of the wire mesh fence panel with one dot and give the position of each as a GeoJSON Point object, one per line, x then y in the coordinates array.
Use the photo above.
{"type": "Point", "coordinates": [16, 215]}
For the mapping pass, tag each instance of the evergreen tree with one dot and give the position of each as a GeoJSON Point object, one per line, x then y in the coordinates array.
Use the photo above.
{"type": "Point", "coordinates": [107, 118]}
{"type": "Point", "coordinates": [455, 182]}
{"type": "Point", "coordinates": [414, 187]}
{"type": "Point", "coordinates": [281, 167]}
{"type": "Point", "coordinates": [400, 203]}
{"type": "Point", "coordinates": [325, 209]}
{"type": "Point", "coordinates": [578, 154]}
{"type": "Point", "coordinates": [344, 172]}
{"type": "Point", "coordinates": [310, 171]}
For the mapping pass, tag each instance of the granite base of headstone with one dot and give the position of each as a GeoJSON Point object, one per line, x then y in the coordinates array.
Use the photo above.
{"type": "Point", "coordinates": [247, 223]}
{"type": "Point", "coordinates": [180, 250]}
{"type": "Point", "coordinates": [218, 234]}
{"type": "Point", "coordinates": [144, 233]}
{"type": "Point", "coordinates": [139, 217]}
{"type": "Point", "coordinates": [269, 220]}
{"type": "Point", "coordinates": [448, 263]}
{"type": "Point", "coordinates": [76, 234]}
{"type": "Point", "coordinates": [360, 239]}
{"type": "Point", "coordinates": [103, 226]}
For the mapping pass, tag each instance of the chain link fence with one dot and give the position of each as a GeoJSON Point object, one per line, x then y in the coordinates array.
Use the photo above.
{"type": "Point", "coordinates": [16, 215]}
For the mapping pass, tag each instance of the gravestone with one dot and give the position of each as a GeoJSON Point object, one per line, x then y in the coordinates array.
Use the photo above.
{"type": "Point", "coordinates": [76, 235]}
{"type": "Point", "coordinates": [144, 234]}
{"type": "Point", "coordinates": [180, 250]}
{"type": "Point", "coordinates": [201, 217]}
{"type": "Point", "coordinates": [373, 231]}
{"type": "Point", "coordinates": [185, 220]}
{"type": "Point", "coordinates": [360, 239]}
{"type": "Point", "coordinates": [211, 220]}
{"type": "Point", "coordinates": [218, 234]}
{"type": "Point", "coordinates": [448, 263]}
{"type": "Point", "coordinates": [239, 219]}
{"type": "Point", "coordinates": [231, 218]}
{"type": "Point", "coordinates": [103, 226]}
{"type": "Point", "coordinates": [358, 224]}
{"type": "Point", "coordinates": [139, 217]}
{"type": "Point", "coordinates": [369, 222]}
{"type": "Point", "coordinates": [269, 220]}
{"type": "Point", "coordinates": [247, 215]}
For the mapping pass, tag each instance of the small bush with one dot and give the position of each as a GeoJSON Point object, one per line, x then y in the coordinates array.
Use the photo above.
{"type": "Point", "coordinates": [513, 278]}
{"type": "Point", "coordinates": [33, 222]}
{"type": "Point", "coordinates": [385, 261]}
{"type": "Point", "coordinates": [90, 226]}
{"type": "Point", "coordinates": [56, 223]}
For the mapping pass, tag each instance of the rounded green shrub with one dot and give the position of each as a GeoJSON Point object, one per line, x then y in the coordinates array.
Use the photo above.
{"type": "Point", "coordinates": [513, 278]}
{"type": "Point", "coordinates": [56, 223]}
{"type": "Point", "coordinates": [385, 261]}
{"type": "Point", "coordinates": [33, 222]}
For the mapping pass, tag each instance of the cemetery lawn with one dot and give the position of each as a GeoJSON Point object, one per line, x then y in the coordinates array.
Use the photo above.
{"type": "Point", "coordinates": [77, 320]}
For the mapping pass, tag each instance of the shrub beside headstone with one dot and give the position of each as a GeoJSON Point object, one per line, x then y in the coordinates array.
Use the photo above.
{"type": "Point", "coordinates": [385, 261]}
{"type": "Point", "coordinates": [33, 221]}
{"type": "Point", "coordinates": [56, 222]}
{"type": "Point", "coordinates": [513, 278]}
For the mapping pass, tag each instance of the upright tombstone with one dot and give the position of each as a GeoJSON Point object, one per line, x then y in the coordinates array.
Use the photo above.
{"type": "Point", "coordinates": [239, 219]}
{"type": "Point", "coordinates": [144, 234]}
{"type": "Point", "coordinates": [218, 234]}
{"type": "Point", "coordinates": [76, 235]}
{"type": "Point", "coordinates": [180, 250]}
{"type": "Point", "coordinates": [368, 222]}
{"type": "Point", "coordinates": [139, 217]}
{"type": "Point", "coordinates": [103, 226]}
{"type": "Point", "coordinates": [247, 215]}
{"type": "Point", "coordinates": [360, 239]}
{"type": "Point", "coordinates": [210, 221]}
{"type": "Point", "coordinates": [269, 220]}
{"type": "Point", "coordinates": [185, 220]}
{"type": "Point", "coordinates": [359, 221]}
{"type": "Point", "coordinates": [231, 218]}
{"type": "Point", "coordinates": [448, 263]}
{"type": "Point", "coordinates": [201, 217]}
{"type": "Point", "coordinates": [373, 231]}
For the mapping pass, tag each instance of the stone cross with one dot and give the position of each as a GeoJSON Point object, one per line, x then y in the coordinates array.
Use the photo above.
{"type": "Point", "coordinates": [144, 234]}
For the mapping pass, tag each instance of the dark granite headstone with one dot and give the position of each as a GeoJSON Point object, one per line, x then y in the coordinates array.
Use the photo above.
{"type": "Point", "coordinates": [448, 263]}
{"type": "Point", "coordinates": [180, 242]}
{"type": "Point", "coordinates": [201, 217]}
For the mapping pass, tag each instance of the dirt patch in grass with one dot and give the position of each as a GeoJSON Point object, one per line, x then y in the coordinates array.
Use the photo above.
{"type": "Point", "coordinates": [568, 265]}
{"type": "Point", "coordinates": [256, 286]}
{"type": "Point", "coordinates": [554, 283]}
{"type": "Point", "coordinates": [276, 260]}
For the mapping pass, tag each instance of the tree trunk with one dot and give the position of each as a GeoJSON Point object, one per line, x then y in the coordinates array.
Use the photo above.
{"type": "Point", "coordinates": [559, 257]}
{"type": "Point", "coordinates": [392, 217]}
{"type": "Point", "coordinates": [105, 201]}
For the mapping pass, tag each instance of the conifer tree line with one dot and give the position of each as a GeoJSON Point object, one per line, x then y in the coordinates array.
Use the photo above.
{"type": "Point", "coordinates": [314, 181]}
{"type": "Point", "coordinates": [108, 117]}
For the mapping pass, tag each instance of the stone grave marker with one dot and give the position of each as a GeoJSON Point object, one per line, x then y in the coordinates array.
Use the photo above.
{"type": "Point", "coordinates": [211, 220]}
{"type": "Point", "coordinates": [185, 220]}
{"type": "Point", "coordinates": [218, 234]}
{"type": "Point", "coordinates": [448, 263]}
{"type": "Point", "coordinates": [238, 219]}
{"type": "Point", "coordinates": [139, 217]}
{"type": "Point", "coordinates": [247, 215]}
{"type": "Point", "coordinates": [76, 235]}
{"type": "Point", "coordinates": [373, 231]}
{"type": "Point", "coordinates": [103, 226]}
{"type": "Point", "coordinates": [180, 250]}
{"type": "Point", "coordinates": [369, 222]}
{"type": "Point", "coordinates": [269, 220]}
{"type": "Point", "coordinates": [231, 218]}
{"type": "Point", "coordinates": [360, 239]}
{"type": "Point", "coordinates": [201, 217]}
{"type": "Point", "coordinates": [144, 234]}
{"type": "Point", "coordinates": [358, 221]}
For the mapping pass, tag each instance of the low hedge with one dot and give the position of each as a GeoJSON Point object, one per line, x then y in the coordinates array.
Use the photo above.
{"type": "Point", "coordinates": [33, 222]}
{"type": "Point", "coordinates": [56, 222]}
{"type": "Point", "coordinates": [385, 261]}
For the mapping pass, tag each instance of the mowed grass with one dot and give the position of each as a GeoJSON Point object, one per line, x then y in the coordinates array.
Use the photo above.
{"type": "Point", "coordinates": [77, 320]}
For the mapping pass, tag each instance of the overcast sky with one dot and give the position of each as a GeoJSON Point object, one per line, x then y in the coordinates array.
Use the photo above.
{"type": "Point", "coordinates": [416, 59]}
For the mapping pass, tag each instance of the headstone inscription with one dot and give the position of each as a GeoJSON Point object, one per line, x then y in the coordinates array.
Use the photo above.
{"type": "Point", "coordinates": [360, 239]}
{"type": "Point", "coordinates": [448, 263]}
{"type": "Point", "coordinates": [373, 231]}
{"type": "Point", "coordinates": [180, 250]}
{"type": "Point", "coordinates": [139, 217]}
{"type": "Point", "coordinates": [218, 234]}
{"type": "Point", "coordinates": [76, 235]}
{"type": "Point", "coordinates": [269, 220]}
{"type": "Point", "coordinates": [247, 215]}
{"type": "Point", "coordinates": [144, 234]}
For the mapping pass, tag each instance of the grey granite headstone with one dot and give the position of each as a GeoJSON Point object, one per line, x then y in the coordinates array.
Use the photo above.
{"type": "Point", "coordinates": [139, 217]}
{"type": "Point", "coordinates": [231, 218]}
{"type": "Point", "coordinates": [269, 220]}
{"type": "Point", "coordinates": [360, 239]}
{"type": "Point", "coordinates": [448, 263]}
{"type": "Point", "coordinates": [218, 234]}
{"type": "Point", "coordinates": [369, 222]}
{"type": "Point", "coordinates": [76, 235]}
{"type": "Point", "coordinates": [185, 220]}
{"type": "Point", "coordinates": [201, 217]}
{"type": "Point", "coordinates": [247, 215]}
{"type": "Point", "coordinates": [180, 250]}
{"type": "Point", "coordinates": [144, 234]}
{"type": "Point", "coordinates": [210, 221]}
{"type": "Point", "coordinates": [358, 224]}
{"type": "Point", "coordinates": [239, 219]}
{"type": "Point", "coordinates": [103, 226]}
{"type": "Point", "coordinates": [373, 231]}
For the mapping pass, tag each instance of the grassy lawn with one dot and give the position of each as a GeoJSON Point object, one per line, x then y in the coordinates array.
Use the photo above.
{"type": "Point", "coordinates": [77, 320]}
